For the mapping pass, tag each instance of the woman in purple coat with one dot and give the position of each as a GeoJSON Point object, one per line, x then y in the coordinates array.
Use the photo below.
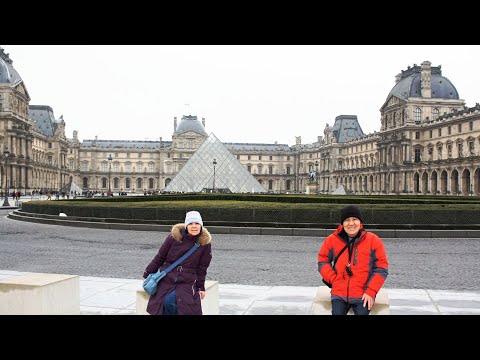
{"type": "Point", "coordinates": [180, 292]}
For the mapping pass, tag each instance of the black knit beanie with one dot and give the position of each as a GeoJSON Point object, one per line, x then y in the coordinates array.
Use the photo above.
{"type": "Point", "coordinates": [350, 211]}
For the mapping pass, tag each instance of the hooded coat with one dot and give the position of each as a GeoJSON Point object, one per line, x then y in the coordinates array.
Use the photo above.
{"type": "Point", "coordinates": [188, 278]}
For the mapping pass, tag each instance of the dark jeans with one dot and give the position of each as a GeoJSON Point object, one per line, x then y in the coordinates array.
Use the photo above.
{"type": "Point", "coordinates": [340, 307]}
{"type": "Point", "coordinates": [170, 304]}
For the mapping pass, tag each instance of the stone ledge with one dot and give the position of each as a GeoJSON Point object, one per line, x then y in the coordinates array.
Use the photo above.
{"type": "Point", "coordinates": [210, 304]}
{"type": "Point", "coordinates": [322, 304]}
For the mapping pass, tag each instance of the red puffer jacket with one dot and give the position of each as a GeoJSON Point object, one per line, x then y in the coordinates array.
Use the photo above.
{"type": "Point", "coordinates": [368, 263]}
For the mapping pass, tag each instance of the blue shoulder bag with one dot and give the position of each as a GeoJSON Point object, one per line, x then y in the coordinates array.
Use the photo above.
{"type": "Point", "coordinates": [150, 283]}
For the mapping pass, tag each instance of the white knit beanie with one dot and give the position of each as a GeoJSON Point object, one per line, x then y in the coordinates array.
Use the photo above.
{"type": "Point", "coordinates": [193, 216]}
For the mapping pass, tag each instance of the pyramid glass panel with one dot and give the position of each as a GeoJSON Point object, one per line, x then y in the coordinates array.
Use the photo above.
{"type": "Point", "coordinates": [200, 174]}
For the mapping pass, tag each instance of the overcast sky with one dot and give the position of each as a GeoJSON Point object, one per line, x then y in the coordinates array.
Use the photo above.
{"type": "Point", "coordinates": [255, 94]}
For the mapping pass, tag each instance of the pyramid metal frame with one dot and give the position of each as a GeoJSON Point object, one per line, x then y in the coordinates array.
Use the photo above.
{"type": "Point", "coordinates": [199, 173]}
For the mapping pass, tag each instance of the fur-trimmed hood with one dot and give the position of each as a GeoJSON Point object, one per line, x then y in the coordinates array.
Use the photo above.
{"type": "Point", "coordinates": [204, 238]}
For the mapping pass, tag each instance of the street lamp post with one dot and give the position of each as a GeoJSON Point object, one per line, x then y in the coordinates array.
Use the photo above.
{"type": "Point", "coordinates": [6, 153]}
{"type": "Point", "coordinates": [109, 173]}
{"type": "Point", "coordinates": [316, 172]}
{"type": "Point", "coordinates": [214, 164]}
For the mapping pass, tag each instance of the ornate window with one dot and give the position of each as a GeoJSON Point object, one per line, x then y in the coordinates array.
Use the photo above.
{"type": "Point", "coordinates": [460, 148]}
{"type": "Point", "coordinates": [418, 155]}
{"type": "Point", "coordinates": [471, 147]}
{"type": "Point", "coordinates": [418, 115]}
{"type": "Point", "coordinates": [435, 114]}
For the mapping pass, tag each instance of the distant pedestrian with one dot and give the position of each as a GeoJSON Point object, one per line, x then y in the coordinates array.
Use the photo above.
{"type": "Point", "coordinates": [353, 262]}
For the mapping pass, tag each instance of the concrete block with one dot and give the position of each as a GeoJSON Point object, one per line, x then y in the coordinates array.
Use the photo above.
{"type": "Point", "coordinates": [40, 294]}
{"type": "Point", "coordinates": [322, 303]}
{"type": "Point", "coordinates": [210, 304]}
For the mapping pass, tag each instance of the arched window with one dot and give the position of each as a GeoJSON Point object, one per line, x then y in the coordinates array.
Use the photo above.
{"type": "Point", "coordinates": [435, 114]}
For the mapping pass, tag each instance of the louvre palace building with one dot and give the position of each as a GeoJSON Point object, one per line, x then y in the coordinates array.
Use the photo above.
{"type": "Point", "coordinates": [428, 142]}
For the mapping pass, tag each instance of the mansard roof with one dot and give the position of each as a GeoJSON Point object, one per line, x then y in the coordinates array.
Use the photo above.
{"type": "Point", "coordinates": [124, 144]}
{"type": "Point", "coordinates": [410, 84]}
{"type": "Point", "coordinates": [43, 117]}
{"type": "Point", "coordinates": [256, 147]}
{"type": "Point", "coordinates": [347, 128]}
{"type": "Point", "coordinates": [190, 123]}
{"type": "Point", "coordinates": [8, 75]}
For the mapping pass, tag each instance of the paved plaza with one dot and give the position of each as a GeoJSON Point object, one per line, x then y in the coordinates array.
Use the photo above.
{"type": "Point", "coordinates": [257, 275]}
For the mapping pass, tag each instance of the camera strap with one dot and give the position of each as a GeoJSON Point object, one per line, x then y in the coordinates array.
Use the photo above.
{"type": "Point", "coordinates": [340, 253]}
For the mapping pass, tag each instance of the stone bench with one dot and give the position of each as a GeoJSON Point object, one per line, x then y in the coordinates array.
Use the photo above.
{"type": "Point", "coordinates": [322, 303]}
{"type": "Point", "coordinates": [210, 304]}
{"type": "Point", "coordinates": [40, 294]}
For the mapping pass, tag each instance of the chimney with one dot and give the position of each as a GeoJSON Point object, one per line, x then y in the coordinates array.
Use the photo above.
{"type": "Point", "coordinates": [426, 79]}
{"type": "Point", "coordinates": [398, 78]}
{"type": "Point", "coordinates": [174, 124]}
{"type": "Point", "coordinates": [203, 122]}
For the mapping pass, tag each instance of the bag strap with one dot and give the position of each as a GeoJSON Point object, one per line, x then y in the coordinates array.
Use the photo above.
{"type": "Point", "coordinates": [184, 256]}
{"type": "Point", "coordinates": [340, 253]}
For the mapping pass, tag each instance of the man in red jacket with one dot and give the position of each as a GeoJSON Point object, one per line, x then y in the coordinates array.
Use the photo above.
{"type": "Point", "coordinates": [353, 262]}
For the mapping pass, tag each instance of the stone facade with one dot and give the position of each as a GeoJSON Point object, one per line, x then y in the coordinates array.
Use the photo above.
{"type": "Point", "coordinates": [428, 143]}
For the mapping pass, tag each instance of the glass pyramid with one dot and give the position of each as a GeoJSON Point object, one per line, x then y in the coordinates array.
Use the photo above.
{"type": "Point", "coordinates": [200, 174]}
